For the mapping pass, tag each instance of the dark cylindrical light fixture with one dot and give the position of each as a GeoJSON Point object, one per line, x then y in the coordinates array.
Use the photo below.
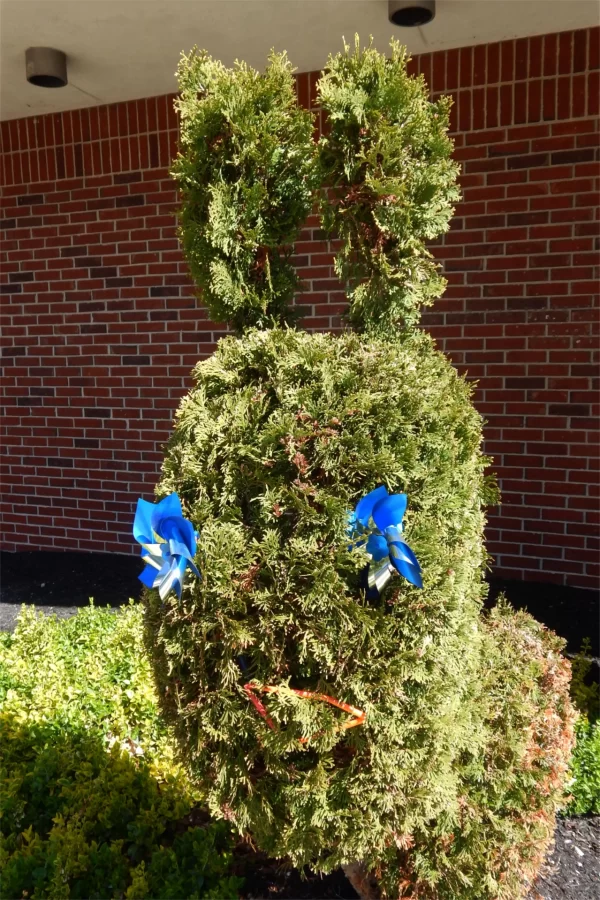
{"type": "Point", "coordinates": [46, 67]}
{"type": "Point", "coordinates": [409, 13]}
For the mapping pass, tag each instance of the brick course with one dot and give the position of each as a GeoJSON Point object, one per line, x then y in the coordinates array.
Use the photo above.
{"type": "Point", "coordinates": [101, 325]}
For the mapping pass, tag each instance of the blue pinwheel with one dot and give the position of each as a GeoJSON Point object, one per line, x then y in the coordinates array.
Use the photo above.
{"type": "Point", "coordinates": [168, 544]}
{"type": "Point", "coordinates": [377, 522]}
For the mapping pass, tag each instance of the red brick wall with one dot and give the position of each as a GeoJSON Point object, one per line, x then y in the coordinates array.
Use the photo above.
{"type": "Point", "coordinates": [101, 326]}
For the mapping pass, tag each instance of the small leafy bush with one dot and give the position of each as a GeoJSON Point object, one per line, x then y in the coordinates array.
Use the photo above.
{"type": "Point", "coordinates": [584, 785]}
{"type": "Point", "coordinates": [92, 803]}
{"type": "Point", "coordinates": [89, 670]}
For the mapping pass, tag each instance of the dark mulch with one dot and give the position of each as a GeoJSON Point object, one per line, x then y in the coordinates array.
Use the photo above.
{"type": "Point", "coordinates": [266, 878]}
{"type": "Point", "coordinates": [572, 870]}
{"type": "Point", "coordinates": [60, 583]}
{"type": "Point", "coordinates": [69, 579]}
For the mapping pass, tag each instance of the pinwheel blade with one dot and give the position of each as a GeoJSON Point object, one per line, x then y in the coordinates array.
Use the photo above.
{"type": "Point", "coordinates": [364, 507]}
{"type": "Point", "coordinates": [379, 575]}
{"type": "Point", "coordinates": [168, 507]}
{"type": "Point", "coordinates": [377, 546]}
{"type": "Point", "coordinates": [406, 563]}
{"type": "Point", "coordinates": [389, 511]}
{"type": "Point", "coordinates": [142, 524]}
{"type": "Point", "coordinates": [148, 576]}
{"type": "Point", "coordinates": [177, 530]}
{"type": "Point", "coordinates": [173, 578]}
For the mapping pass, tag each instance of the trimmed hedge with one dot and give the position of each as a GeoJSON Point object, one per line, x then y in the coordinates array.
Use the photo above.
{"type": "Point", "coordinates": [92, 803]}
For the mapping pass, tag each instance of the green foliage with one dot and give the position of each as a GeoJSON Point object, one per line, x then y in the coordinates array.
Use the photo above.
{"type": "Point", "coordinates": [281, 435]}
{"type": "Point", "coordinates": [92, 803]}
{"type": "Point", "coordinates": [584, 691]}
{"type": "Point", "coordinates": [584, 786]}
{"type": "Point", "coordinates": [450, 786]}
{"type": "Point", "coordinates": [246, 173]}
{"type": "Point", "coordinates": [387, 161]}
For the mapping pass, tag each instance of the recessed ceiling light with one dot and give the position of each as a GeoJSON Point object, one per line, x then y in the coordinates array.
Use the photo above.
{"type": "Point", "coordinates": [46, 67]}
{"type": "Point", "coordinates": [410, 13]}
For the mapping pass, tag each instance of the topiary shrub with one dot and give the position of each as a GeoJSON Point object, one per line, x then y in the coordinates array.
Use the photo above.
{"type": "Point", "coordinates": [447, 784]}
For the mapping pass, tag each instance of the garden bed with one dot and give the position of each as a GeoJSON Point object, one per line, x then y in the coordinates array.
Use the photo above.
{"type": "Point", "coordinates": [64, 582]}
{"type": "Point", "coordinates": [570, 872]}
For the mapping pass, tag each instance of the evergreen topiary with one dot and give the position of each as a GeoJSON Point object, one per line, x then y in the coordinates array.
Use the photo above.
{"type": "Point", "coordinates": [444, 781]}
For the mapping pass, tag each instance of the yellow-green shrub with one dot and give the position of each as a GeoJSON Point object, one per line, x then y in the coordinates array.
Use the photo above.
{"type": "Point", "coordinates": [92, 803]}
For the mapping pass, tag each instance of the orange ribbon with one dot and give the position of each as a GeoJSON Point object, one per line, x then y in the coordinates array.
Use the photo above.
{"type": "Point", "coordinates": [359, 715]}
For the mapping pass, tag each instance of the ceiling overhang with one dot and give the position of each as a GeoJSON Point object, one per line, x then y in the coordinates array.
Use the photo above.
{"type": "Point", "coordinates": [126, 49]}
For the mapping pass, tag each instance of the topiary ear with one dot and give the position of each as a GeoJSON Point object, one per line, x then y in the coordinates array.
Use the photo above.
{"type": "Point", "coordinates": [246, 171]}
{"type": "Point", "coordinates": [392, 183]}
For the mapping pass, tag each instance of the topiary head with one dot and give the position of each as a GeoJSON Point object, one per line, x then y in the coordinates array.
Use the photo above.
{"type": "Point", "coordinates": [249, 173]}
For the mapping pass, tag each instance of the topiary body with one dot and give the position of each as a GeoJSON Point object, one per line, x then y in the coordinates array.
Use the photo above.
{"type": "Point", "coordinates": [280, 437]}
{"type": "Point", "coordinates": [449, 787]}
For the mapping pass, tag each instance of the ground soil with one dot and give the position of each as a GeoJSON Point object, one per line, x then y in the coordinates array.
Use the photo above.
{"type": "Point", "coordinates": [572, 870]}
{"type": "Point", "coordinates": [266, 878]}
{"type": "Point", "coordinates": [62, 582]}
